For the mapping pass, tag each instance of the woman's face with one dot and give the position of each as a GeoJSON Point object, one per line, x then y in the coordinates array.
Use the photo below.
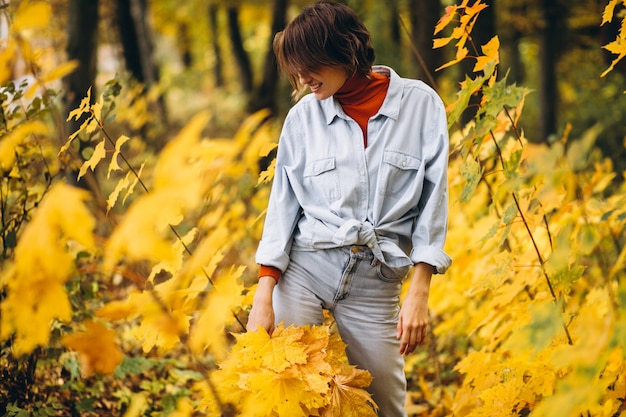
{"type": "Point", "coordinates": [324, 82]}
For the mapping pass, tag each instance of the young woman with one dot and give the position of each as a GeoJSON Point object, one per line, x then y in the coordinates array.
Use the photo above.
{"type": "Point", "coordinates": [359, 199]}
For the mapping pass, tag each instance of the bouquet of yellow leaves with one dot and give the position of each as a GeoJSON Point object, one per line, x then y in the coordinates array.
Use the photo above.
{"type": "Point", "coordinates": [297, 371]}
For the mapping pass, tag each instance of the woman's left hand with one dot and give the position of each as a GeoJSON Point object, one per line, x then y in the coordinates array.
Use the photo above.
{"type": "Point", "coordinates": [413, 318]}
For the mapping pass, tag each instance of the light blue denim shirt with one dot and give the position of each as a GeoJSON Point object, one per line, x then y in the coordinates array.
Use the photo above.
{"type": "Point", "coordinates": [330, 191]}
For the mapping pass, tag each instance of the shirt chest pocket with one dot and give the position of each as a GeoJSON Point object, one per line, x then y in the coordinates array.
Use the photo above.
{"type": "Point", "coordinates": [399, 173]}
{"type": "Point", "coordinates": [321, 179]}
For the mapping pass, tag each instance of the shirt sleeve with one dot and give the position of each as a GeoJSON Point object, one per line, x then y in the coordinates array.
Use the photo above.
{"type": "Point", "coordinates": [431, 225]}
{"type": "Point", "coordinates": [283, 211]}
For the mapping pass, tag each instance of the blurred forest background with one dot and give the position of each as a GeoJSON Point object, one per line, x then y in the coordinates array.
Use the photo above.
{"type": "Point", "coordinates": [217, 55]}
{"type": "Point", "coordinates": [136, 155]}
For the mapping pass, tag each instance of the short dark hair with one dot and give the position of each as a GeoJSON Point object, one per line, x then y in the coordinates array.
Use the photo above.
{"type": "Point", "coordinates": [325, 34]}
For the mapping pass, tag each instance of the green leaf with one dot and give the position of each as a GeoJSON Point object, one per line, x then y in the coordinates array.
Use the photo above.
{"type": "Point", "coordinates": [73, 367]}
{"type": "Point", "coordinates": [471, 171]}
{"type": "Point", "coordinates": [500, 95]}
{"type": "Point", "coordinates": [510, 214]}
{"type": "Point", "coordinates": [469, 88]}
{"type": "Point", "coordinates": [511, 165]}
{"type": "Point", "coordinates": [133, 366]}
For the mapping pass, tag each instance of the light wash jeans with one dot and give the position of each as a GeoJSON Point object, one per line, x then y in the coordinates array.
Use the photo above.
{"type": "Point", "coordinates": [363, 296]}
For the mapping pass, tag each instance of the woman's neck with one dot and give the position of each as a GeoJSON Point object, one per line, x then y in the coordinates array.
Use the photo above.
{"type": "Point", "coordinates": [361, 97]}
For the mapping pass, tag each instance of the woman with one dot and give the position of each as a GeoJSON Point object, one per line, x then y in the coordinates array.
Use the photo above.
{"type": "Point", "coordinates": [359, 197]}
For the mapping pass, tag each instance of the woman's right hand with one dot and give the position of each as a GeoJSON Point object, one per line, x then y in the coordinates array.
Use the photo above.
{"type": "Point", "coordinates": [262, 313]}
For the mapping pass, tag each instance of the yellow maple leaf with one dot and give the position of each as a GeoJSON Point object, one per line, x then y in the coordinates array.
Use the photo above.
{"type": "Point", "coordinates": [446, 18]}
{"type": "Point", "coordinates": [253, 346]}
{"type": "Point", "coordinates": [209, 330]}
{"type": "Point", "coordinates": [617, 47]}
{"type": "Point", "coordinates": [490, 49]}
{"type": "Point", "coordinates": [282, 393]}
{"type": "Point", "coordinates": [348, 396]}
{"type": "Point", "coordinates": [28, 311]}
{"type": "Point", "coordinates": [607, 14]}
{"type": "Point", "coordinates": [161, 329]}
{"type": "Point", "coordinates": [283, 349]}
{"type": "Point", "coordinates": [97, 348]}
{"type": "Point", "coordinates": [475, 8]}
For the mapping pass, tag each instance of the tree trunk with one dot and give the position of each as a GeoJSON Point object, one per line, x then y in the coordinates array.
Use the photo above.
{"type": "Point", "coordinates": [82, 46]}
{"type": "Point", "coordinates": [265, 96]}
{"type": "Point", "coordinates": [240, 54]}
{"type": "Point", "coordinates": [424, 16]}
{"type": "Point", "coordinates": [137, 40]}
{"type": "Point", "coordinates": [128, 38]}
{"type": "Point", "coordinates": [217, 52]}
{"type": "Point", "coordinates": [548, 52]}
{"type": "Point", "coordinates": [484, 30]}
{"type": "Point", "coordinates": [511, 36]}
{"type": "Point", "coordinates": [184, 44]}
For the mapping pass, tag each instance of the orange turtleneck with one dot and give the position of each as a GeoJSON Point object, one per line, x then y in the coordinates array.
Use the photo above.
{"type": "Point", "coordinates": [361, 98]}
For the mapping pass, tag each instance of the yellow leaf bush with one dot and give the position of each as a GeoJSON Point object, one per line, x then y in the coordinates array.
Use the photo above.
{"type": "Point", "coordinates": [537, 286]}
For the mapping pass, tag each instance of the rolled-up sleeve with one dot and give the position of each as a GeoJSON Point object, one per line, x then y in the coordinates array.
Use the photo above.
{"type": "Point", "coordinates": [430, 226]}
{"type": "Point", "coordinates": [283, 211]}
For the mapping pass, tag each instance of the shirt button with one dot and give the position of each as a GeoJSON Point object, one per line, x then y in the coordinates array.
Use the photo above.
{"type": "Point", "coordinates": [403, 163]}
{"type": "Point", "coordinates": [362, 173]}
{"type": "Point", "coordinates": [370, 245]}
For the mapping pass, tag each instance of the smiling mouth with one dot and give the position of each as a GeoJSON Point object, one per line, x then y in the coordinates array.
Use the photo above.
{"type": "Point", "coordinates": [316, 87]}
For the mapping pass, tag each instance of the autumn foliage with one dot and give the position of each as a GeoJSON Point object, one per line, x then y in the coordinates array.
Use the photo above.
{"type": "Point", "coordinates": [147, 292]}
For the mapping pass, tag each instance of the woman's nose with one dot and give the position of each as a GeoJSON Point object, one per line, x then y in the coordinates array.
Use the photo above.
{"type": "Point", "coordinates": [303, 78]}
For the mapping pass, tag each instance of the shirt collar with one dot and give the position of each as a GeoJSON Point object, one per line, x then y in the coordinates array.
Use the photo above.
{"type": "Point", "coordinates": [390, 107]}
